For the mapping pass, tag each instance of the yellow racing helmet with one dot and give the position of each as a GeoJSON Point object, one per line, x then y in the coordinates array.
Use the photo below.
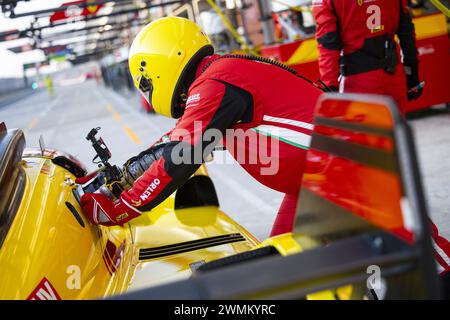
{"type": "Point", "coordinates": [163, 59]}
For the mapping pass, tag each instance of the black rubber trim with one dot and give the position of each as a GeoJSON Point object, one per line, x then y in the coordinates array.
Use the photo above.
{"type": "Point", "coordinates": [158, 252]}
{"type": "Point", "coordinates": [198, 191]}
{"type": "Point", "coordinates": [186, 78]}
{"type": "Point", "coordinates": [75, 214]}
{"type": "Point", "coordinates": [12, 177]}
{"type": "Point", "coordinates": [353, 127]}
{"type": "Point", "coordinates": [76, 195]}
{"type": "Point", "coordinates": [365, 155]}
{"type": "Point", "coordinates": [14, 200]}
{"type": "Point", "coordinates": [70, 166]}
{"type": "Point", "coordinates": [242, 257]}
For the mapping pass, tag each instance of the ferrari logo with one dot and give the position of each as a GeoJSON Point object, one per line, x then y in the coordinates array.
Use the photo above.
{"type": "Point", "coordinates": [360, 2]}
{"type": "Point", "coordinates": [122, 216]}
{"type": "Point", "coordinates": [136, 203]}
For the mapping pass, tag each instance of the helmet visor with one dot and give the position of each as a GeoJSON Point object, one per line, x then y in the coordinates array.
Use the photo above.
{"type": "Point", "coordinates": [146, 89]}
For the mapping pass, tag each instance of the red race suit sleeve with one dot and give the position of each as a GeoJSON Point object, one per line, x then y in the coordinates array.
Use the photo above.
{"type": "Point", "coordinates": [211, 105]}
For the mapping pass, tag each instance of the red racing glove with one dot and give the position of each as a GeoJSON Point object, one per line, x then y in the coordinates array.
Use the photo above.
{"type": "Point", "coordinates": [102, 210]}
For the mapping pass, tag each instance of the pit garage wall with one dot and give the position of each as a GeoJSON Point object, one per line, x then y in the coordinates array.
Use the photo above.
{"type": "Point", "coordinates": [433, 47]}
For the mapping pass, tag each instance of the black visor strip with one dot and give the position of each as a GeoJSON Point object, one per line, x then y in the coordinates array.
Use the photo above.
{"type": "Point", "coordinates": [368, 156]}
{"type": "Point", "coordinates": [145, 85]}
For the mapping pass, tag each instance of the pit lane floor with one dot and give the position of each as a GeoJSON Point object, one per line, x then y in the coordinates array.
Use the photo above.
{"type": "Point", "coordinates": [65, 119]}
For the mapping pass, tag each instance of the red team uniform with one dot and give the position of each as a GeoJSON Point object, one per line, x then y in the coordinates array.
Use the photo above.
{"type": "Point", "coordinates": [358, 51]}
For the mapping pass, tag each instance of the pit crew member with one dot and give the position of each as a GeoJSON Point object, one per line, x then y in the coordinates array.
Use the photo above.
{"type": "Point", "coordinates": [358, 52]}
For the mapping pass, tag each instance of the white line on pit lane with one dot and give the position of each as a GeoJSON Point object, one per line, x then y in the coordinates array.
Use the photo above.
{"type": "Point", "coordinates": [45, 111]}
{"type": "Point", "coordinates": [124, 106]}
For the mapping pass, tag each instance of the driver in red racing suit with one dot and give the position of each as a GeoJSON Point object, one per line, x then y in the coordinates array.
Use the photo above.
{"type": "Point", "coordinates": [226, 94]}
{"type": "Point", "coordinates": [358, 52]}
{"type": "Point", "coordinates": [253, 103]}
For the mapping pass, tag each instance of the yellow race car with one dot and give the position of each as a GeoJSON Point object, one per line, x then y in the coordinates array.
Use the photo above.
{"type": "Point", "coordinates": [49, 250]}
{"type": "Point", "coordinates": [359, 231]}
